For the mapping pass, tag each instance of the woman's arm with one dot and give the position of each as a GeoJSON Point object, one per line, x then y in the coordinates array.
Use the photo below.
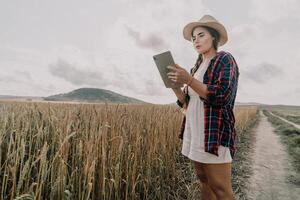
{"type": "Point", "coordinates": [199, 87]}
{"type": "Point", "coordinates": [219, 92]}
{"type": "Point", "coordinates": [196, 85]}
{"type": "Point", "coordinates": [180, 94]}
{"type": "Point", "coordinates": [222, 91]}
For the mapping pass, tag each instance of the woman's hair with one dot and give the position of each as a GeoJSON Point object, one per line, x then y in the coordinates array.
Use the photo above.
{"type": "Point", "coordinates": [197, 64]}
{"type": "Point", "coordinates": [215, 34]}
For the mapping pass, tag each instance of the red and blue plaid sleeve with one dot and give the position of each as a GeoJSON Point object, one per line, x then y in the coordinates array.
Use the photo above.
{"type": "Point", "coordinates": [222, 90]}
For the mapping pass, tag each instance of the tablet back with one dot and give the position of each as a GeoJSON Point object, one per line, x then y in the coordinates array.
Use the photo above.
{"type": "Point", "coordinates": [163, 60]}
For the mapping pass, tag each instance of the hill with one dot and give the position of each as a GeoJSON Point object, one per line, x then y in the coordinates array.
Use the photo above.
{"type": "Point", "coordinates": [94, 95]}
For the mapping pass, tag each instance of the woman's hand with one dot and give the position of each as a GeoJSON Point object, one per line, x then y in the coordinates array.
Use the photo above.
{"type": "Point", "coordinates": [178, 74]}
{"type": "Point", "coordinates": [178, 89]}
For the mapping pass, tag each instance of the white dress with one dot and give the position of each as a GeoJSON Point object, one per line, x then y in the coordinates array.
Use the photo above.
{"type": "Point", "coordinates": [193, 138]}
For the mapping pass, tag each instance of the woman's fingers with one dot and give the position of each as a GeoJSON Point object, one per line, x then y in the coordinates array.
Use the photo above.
{"type": "Point", "coordinates": [174, 79]}
{"type": "Point", "coordinates": [177, 66]}
{"type": "Point", "coordinates": [173, 68]}
{"type": "Point", "coordinates": [172, 76]}
{"type": "Point", "coordinates": [171, 73]}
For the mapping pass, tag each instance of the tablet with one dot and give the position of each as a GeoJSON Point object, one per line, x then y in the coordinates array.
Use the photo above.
{"type": "Point", "coordinates": [163, 60]}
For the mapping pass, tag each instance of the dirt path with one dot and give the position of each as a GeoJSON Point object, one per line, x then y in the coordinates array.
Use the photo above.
{"type": "Point", "coordinates": [296, 125]}
{"type": "Point", "coordinates": [270, 166]}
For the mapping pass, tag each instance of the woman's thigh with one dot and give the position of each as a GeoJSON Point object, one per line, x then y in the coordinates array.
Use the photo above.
{"type": "Point", "coordinates": [200, 172]}
{"type": "Point", "coordinates": [219, 175]}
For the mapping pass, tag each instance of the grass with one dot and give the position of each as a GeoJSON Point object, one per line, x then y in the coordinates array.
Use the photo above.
{"type": "Point", "coordinates": [290, 136]}
{"type": "Point", "coordinates": [247, 119]}
{"type": "Point", "coordinates": [289, 117]}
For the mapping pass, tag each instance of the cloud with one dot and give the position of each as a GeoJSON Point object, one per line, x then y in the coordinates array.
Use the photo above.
{"type": "Point", "coordinates": [111, 47]}
{"type": "Point", "coordinates": [8, 78]}
{"type": "Point", "coordinates": [262, 73]}
{"type": "Point", "coordinates": [140, 84]}
{"type": "Point", "coordinates": [152, 41]}
{"type": "Point", "coordinates": [297, 91]}
{"type": "Point", "coordinates": [83, 77]}
{"type": "Point", "coordinates": [14, 85]}
{"type": "Point", "coordinates": [23, 74]}
{"type": "Point", "coordinates": [148, 28]}
{"type": "Point", "coordinates": [152, 88]}
{"type": "Point", "coordinates": [70, 73]}
{"type": "Point", "coordinates": [270, 10]}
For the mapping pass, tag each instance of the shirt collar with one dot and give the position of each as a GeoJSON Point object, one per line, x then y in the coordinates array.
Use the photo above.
{"type": "Point", "coordinates": [217, 55]}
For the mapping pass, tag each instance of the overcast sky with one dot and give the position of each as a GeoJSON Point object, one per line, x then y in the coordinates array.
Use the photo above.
{"type": "Point", "coordinates": [55, 46]}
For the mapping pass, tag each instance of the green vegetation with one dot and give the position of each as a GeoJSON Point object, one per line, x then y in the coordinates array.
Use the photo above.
{"type": "Point", "coordinates": [93, 95]}
{"type": "Point", "coordinates": [290, 136]}
{"type": "Point", "coordinates": [292, 118]}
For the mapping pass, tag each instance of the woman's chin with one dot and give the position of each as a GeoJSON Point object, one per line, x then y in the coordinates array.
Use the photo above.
{"type": "Point", "coordinates": [199, 51]}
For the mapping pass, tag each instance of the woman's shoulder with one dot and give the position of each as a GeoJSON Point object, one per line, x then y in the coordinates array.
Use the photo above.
{"type": "Point", "coordinates": [226, 57]}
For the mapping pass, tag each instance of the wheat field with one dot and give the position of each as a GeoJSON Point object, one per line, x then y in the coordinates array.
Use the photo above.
{"type": "Point", "coordinates": [91, 151]}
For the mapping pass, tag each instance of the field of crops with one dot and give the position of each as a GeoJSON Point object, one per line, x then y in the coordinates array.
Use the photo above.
{"type": "Point", "coordinates": [90, 151]}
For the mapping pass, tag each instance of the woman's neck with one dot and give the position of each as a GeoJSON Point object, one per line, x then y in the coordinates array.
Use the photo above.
{"type": "Point", "coordinates": [207, 56]}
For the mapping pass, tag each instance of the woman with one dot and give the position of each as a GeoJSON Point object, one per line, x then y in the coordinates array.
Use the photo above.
{"type": "Point", "coordinates": [207, 129]}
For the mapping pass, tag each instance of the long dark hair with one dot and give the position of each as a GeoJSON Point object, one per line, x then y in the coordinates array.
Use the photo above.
{"type": "Point", "coordinates": [197, 64]}
{"type": "Point", "coordinates": [215, 34]}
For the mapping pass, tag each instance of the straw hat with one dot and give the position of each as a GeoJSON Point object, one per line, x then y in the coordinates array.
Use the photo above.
{"type": "Point", "coordinates": [206, 20]}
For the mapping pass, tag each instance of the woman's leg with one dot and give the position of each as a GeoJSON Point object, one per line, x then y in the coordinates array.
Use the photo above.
{"type": "Point", "coordinates": [206, 191]}
{"type": "Point", "coordinates": [219, 179]}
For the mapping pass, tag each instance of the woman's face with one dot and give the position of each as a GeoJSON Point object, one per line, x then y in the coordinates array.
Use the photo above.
{"type": "Point", "coordinates": [202, 40]}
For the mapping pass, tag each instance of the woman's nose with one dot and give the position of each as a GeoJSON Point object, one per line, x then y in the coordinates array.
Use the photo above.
{"type": "Point", "coordinates": [196, 41]}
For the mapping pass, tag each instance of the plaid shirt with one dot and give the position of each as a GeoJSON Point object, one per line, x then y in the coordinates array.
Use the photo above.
{"type": "Point", "coordinates": [221, 78]}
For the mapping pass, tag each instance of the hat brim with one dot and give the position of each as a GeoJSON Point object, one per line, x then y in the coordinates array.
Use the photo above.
{"type": "Point", "coordinates": [187, 30]}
